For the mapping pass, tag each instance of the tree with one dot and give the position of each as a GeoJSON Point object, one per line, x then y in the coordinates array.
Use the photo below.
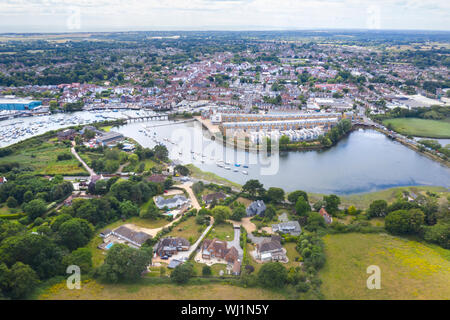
{"type": "Point", "coordinates": [161, 152]}
{"type": "Point", "coordinates": [206, 271]}
{"type": "Point", "coordinates": [182, 273]}
{"type": "Point", "coordinates": [81, 257]}
{"type": "Point", "coordinates": [270, 212]}
{"type": "Point", "coordinates": [28, 196]}
{"type": "Point", "coordinates": [221, 213]}
{"type": "Point", "coordinates": [439, 233]}
{"type": "Point", "coordinates": [123, 263]}
{"type": "Point", "coordinates": [293, 196]}
{"type": "Point", "coordinates": [152, 212]}
{"type": "Point", "coordinates": [275, 195]}
{"type": "Point", "coordinates": [22, 280]}
{"type": "Point", "coordinates": [75, 233]}
{"type": "Point", "coordinates": [253, 187]}
{"type": "Point", "coordinates": [36, 250]}
{"type": "Point", "coordinates": [11, 202]}
{"type": "Point", "coordinates": [315, 221]}
{"type": "Point", "coordinates": [352, 210]}
{"type": "Point", "coordinates": [238, 213]}
{"type": "Point", "coordinates": [272, 275]}
{"type": "Point", "coordinates": [133, 158]}
{"type": "Point", "coordinates": [35, 208]}
{"type": "Point", "coordinates": [332, 203]}
{"type": "Point", "coordinates": [377, 208]}
{"type": "Point", "coordinates": [182, 170]}
{"type": "Point", "coordinates": [302, 207]}
{"type": "Point", "coordinates": [128, 209]}
{"type": "Point", "coordinates": [404, 222]}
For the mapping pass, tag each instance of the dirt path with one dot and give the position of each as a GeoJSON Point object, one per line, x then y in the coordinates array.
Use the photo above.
{"type": "Point", "coordinates": [74, 152]}
{"type": "Point", "coordinates": [187, 186]}
{"type": "Point", "coordinates": [122, 166]}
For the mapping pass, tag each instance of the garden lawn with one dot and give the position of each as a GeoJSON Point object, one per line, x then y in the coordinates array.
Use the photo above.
{"type": "Point", "coordinates": [409, 269]}
{"type": "Point", "coordinates": [187, 229]}
{"type": "Point", "coordinates": [421, 127]}
{"type": "Point", "coordinates": [223, 231]}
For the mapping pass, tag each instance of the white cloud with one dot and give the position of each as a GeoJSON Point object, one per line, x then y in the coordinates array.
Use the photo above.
{"type": "Point", "coordinates": [227, 14]}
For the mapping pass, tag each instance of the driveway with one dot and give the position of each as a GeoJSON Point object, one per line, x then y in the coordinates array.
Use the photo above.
{"type": "Point", "coordinates": [236, 241]}
{"type": "Point", "coordinates": [187, 186]}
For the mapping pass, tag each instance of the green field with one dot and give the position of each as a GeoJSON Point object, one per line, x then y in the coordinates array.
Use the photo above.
{"type": "Point", "coordinates": [43, 159]}
{"type": "Point", "coordinates": [363, 200]}
{"type": "Point", "coordinates": [92, 290]}
{"type": "Point", "coordinates": [421, 127]}
{"type": "Point", "coordinates": [409, 269]}
{"type": "Point", "coordinates": [188, 229]}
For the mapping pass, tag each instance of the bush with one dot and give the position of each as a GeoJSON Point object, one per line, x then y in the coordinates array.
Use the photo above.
{"type": "Point", "coordinates": [182, 273]}
{"type": "Point", "coordinates": [272, 275]}
{"type": "Point", "coordinates": [206, 271]}
{"type": "Point", "coordinates": [302, 287]}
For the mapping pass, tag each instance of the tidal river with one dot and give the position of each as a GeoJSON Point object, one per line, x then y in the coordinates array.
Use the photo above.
{"type": "Point", "coordinates": [364, 161]}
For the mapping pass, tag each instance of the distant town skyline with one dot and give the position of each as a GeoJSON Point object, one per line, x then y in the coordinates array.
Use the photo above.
{"type": "Point", "coordinates": [129, 15]}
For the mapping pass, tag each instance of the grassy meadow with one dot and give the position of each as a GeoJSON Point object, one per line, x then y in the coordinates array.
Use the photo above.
{"type": "Point", "coordinates": [421, 127]}
{"type": "Point", "coordinates": [409, 269]}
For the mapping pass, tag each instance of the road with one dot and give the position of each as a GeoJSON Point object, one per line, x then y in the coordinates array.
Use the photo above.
{"type": "Point", "coordinates": [74, 152]}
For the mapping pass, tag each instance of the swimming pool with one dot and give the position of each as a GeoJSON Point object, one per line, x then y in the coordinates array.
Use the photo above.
{"type": "Point", "coordinates": [109, 245]}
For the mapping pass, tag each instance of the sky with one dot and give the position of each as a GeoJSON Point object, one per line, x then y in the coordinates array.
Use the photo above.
{"type": "Point", "coordinates": [127, 15]}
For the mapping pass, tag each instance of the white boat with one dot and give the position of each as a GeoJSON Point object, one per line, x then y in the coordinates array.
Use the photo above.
{"type": "Point", "coordinates": [227, 168]}
{"type": "Point", "coordinates": [245, 172]}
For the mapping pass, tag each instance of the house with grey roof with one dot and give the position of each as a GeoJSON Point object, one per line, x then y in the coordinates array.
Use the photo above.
{"type": "Point", "coordinates": [291, 227]}
{"type": "Point", "coordinates": [256, 208]}
{"type": "Point", "coordinates": [271, 250]}
{"type": "Point", "coordinates": [135, 238]}
{"type": "Point", "coordinates": [169, 246]}
{"type": "Point", "coordinates": [171, 203]}
{"type": "Point", "coordinates": [109, 138]}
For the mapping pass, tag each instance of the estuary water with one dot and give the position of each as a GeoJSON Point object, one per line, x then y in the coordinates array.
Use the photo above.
{"type": "Point", "coordinates": [364, 161]}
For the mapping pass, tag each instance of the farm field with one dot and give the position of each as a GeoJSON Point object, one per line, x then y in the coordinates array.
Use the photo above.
{"type": "Point", "coordinates": [43, 159]}
{"type": "Point", "coordinates": [421, 127]}
{"type": "Point", "coordinates": [92, 290]}
{"type": "Point", "coordinates": [409, 269]}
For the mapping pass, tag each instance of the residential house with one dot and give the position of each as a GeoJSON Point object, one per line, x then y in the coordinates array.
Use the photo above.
{"type": "Point", "coordinates": [174, 202]}
{"type": "Point", "coordinates": [109, 138]}
{"type": "Point", "coordinates": [325, 215]}
{"type": "Point", "coordinates": [270, 250]}
{"type": "Point", "coordinates": [209, 198]}
{"type": "Point", "coordinates": [157, 178]}
{"type": "Point", "coordinates": [291, 227]}
{"type": "Point", "coordinates": [214, 248]}
{"type": "Point", "coordinates": [170, 246]}
{"type": "Point", "coordinates": [256, 208]}
{"type": "Point", "coordinates": [135, 238]}
{"type": "Point", "coordinates": [67, 134]}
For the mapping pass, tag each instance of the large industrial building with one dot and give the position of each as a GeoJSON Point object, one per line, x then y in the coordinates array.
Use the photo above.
{"type": "Point", "coordinates": [18, 104]}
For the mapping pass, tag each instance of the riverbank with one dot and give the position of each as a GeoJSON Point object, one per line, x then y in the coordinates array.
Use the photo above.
{"type": "Point", "coordinates": [313, 145]}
